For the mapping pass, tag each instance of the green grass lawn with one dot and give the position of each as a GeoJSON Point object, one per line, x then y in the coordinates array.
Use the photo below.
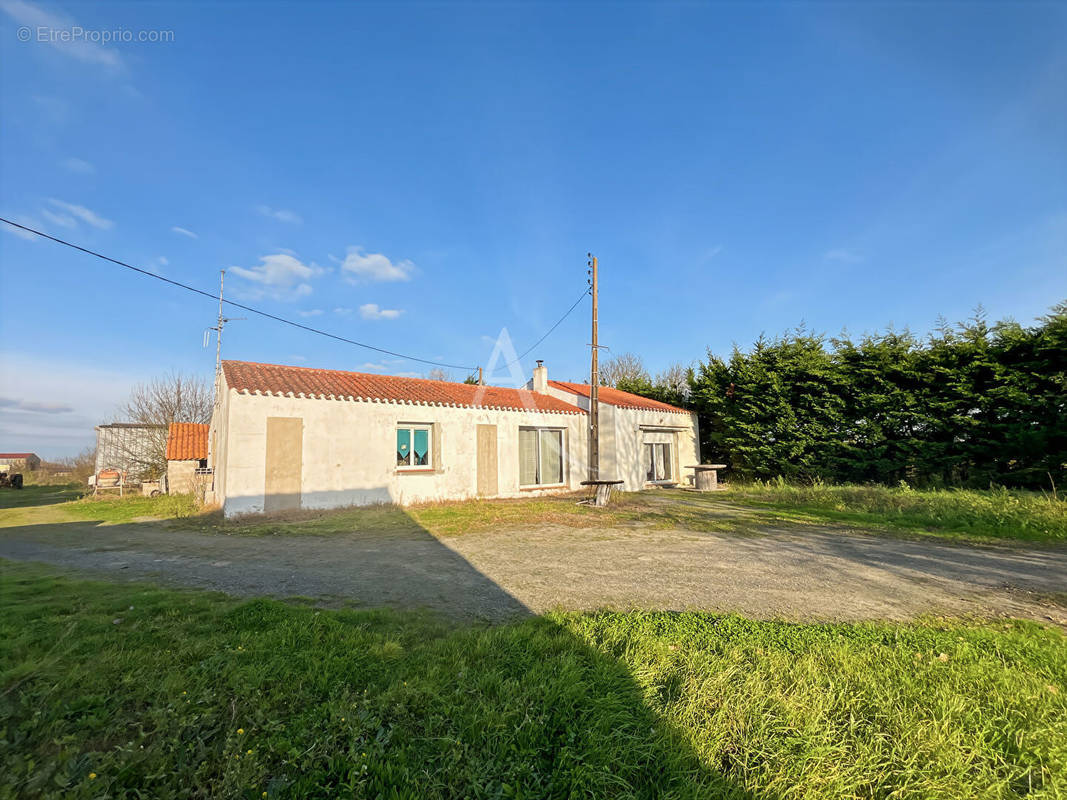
{"type": "Point", "coordinates": [39, 495]}
{"type": "Point", "coordinates": [126, 690]}
{"type": "Point", "coordinates": [987, 514]}
{"type": "Point", "coordinates": [968, 515]}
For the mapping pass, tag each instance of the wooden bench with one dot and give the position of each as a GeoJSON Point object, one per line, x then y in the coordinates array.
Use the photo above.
{"type": "Point", "coordinates": [707, 476]}
{"type": "Point", "coordinates": [603, 492]}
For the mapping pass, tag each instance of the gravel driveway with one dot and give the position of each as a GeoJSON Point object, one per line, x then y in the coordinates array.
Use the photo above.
{"type": "Point", "coordinates": [794, 574]}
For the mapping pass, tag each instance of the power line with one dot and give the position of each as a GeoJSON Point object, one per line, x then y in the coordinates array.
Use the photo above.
{"type": "Point", "coordinates": [250, 309]}
{"type": "Point", "coordinates": [549, 331]}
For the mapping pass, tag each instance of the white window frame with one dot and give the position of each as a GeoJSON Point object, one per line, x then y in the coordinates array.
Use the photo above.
{"type": "Point", "coordinates": [667, 460]}
{"type": "Point", "coordinates": [562, 457]}
{"type": "Point", "coordinates": [411, 427]}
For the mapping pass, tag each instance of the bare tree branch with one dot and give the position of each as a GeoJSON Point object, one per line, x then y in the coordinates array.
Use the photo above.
{"type": "Point", "coordinates": [174, 397]}
{"type": "Point", "coordinates": [626, 368]}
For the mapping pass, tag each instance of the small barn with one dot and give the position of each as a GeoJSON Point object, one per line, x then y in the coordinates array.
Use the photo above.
{"type": "Point", "coordinates": [16, 462]}
{"type": "Point", "coordinates": [187, 457]}
{"type": "Point", "coordinates": [130, 448]}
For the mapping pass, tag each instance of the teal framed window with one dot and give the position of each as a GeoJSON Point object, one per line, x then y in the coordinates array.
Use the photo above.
{"type": "Point", "coordinates": [414, 446]}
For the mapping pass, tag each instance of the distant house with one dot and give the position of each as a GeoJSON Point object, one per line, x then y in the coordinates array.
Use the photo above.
{"type": "Point", "coordinates": [15, 462]}
{"type": "Point", "coordinates": [288, 437]}
{"type": "Point", "coordinates": [186, 454]}
{"type": "Point", "coordinates": [129, 447]}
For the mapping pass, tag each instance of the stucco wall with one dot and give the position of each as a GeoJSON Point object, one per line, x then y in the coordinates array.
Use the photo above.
{"type": "Point", "coordinates": [632, 428]}
{"type": "Point", "coordinates": [623, 434]}
{"type": "Point", "coordinates": [218, 441]}
{"type": "Point", "coordinates": [349, 451]}
{"type": "Point", "coordinates": [181, 476]}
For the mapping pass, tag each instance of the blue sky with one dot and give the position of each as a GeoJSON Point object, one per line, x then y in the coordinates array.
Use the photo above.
{"type": "Point", "coordinates": [421, 176]}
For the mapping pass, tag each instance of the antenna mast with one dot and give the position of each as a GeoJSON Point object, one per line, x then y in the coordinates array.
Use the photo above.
{"type": "Point", "coordinates": [218, 330]}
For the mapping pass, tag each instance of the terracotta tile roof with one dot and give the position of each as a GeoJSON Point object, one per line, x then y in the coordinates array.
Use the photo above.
{"type": "Point", "coordinates": [617, 397]}
{"type": "Point", "coordinates": [330, 384]}
{"type": "Point", "coordinates": [16, 455]}
{"type": "Point", "coordinates": [186, 441]}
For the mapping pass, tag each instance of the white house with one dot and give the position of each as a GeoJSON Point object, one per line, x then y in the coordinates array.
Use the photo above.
{"type": "Point", "coordinates": [293, 437]}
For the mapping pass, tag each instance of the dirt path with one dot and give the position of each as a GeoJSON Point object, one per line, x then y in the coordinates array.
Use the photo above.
{"type": "Point", "coordinates": [779, 573]}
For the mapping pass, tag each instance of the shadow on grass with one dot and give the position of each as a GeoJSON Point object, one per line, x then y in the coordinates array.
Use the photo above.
{"type": "Point", "coordinates": [39, 495]}
{"type": "Point", "coordinates": [346, 703]}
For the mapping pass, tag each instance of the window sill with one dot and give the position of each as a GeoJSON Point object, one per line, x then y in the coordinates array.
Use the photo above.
{"type": "Point", "coordinates": [417, 471]}
{"type": "Point", "coordinates": [541, 486]}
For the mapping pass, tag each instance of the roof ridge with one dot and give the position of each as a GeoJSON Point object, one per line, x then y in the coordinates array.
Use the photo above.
{"type": "Point", "coordinates": [250, 377]}
{"type": "Point", "coordinates": [356, 372]}
{"type": "Point", "coordinates": [642, 401]}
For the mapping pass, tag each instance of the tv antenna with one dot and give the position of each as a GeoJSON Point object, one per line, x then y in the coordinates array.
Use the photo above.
{"type": "Point", "coordinates": [218, 328]}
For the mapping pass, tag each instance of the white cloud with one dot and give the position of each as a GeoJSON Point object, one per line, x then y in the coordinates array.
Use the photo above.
{"type": "Point", "coordinates": [86, 215]}
{"type": "Point", "coordinates": [711, 253]}
{"type": "Point", "coordinates": [184, 232]}
{"type": "Point", "coordinates": [81, 166]}
{"type": "Point", "coordinates": [375, 267]}
{"type": "Point", "coordinates": [281, 214]}
{"type": "Point", "coordinates": [63, 220]}
{"type": "Point", "coordinates": [315, 312]}
{"type": "Point", "coordinates": [843, 256]}
{"type": "Point", "coordinates": [52, 405]}
{"type": "Point", "coordinates": [371, 311]}
{"type": "Point", "coordinates": [34, 408]}
{"type": "Point", "coordinates": [342, 310]}
{"type": "Point", "coordinates": [34, 17]}
{"type": "Point", "coordinates": [29, 222]}
{"type": "Point", "coordinates": [280, 276]}
{"type": "Point", "coordinates": [374, 365]}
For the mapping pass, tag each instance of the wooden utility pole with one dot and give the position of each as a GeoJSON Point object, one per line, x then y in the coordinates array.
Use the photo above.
{"type": "Point", "coordinates": [594, 382]}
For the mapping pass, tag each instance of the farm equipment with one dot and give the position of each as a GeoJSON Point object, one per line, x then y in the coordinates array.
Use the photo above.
{"type": "Point", "coordinates": [10, 480]}
{"type": "Point", "coordinates": [107, 479]}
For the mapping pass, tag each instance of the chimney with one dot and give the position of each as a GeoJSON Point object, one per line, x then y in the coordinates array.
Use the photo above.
{"type": "Point", "coordinates": [540, 378]}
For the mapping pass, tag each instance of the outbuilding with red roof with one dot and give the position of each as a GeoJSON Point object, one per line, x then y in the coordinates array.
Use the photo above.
{"type": "Point", "coordinates": [187, 457]}
{"type": "Point", "coordinates": [13, 462]}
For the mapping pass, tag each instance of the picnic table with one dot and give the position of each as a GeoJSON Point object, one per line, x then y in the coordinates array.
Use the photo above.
{"type": "Point", "coordinates": [707, 476]}
{"type": "Point", "coordinates": [603, 492]}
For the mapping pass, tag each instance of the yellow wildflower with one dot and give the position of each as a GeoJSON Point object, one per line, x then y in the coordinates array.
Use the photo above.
{"type": "Point", "coordinates": [240, 731]}
{"type": "Point", "coordinates": [92, 776]}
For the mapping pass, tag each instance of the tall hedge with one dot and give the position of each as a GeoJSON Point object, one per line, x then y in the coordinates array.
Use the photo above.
{"type": "Point", "coordinates": [970, 405]}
